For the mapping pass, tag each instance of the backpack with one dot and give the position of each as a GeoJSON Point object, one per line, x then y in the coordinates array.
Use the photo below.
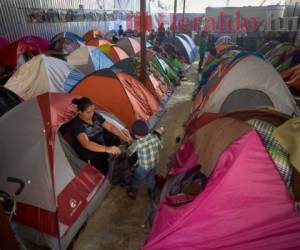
{"type": "Point", "coordinates": [120, 172]}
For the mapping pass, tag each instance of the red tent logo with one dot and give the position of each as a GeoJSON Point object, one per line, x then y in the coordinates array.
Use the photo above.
{"type": "Point", "coordinates": [73, 203]}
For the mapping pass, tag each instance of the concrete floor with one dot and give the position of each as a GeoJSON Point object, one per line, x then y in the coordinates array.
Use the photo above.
{"type": "Point", "coordinates": [116, 225]}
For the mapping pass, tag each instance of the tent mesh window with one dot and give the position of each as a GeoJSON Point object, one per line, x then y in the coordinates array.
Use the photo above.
{"type": "Point", "coordinates": [245, 99]}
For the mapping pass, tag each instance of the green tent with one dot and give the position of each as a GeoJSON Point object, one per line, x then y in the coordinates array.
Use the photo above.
{"type": "Point", "coordinates": [165, 71]}
{"type": "Point", "coordinates": [285, 65]}
{"type": "Point", "coordinates": [175, 64]}
{"type": "Point", "coordinates": [291, 59]}
{"type": "Point", "coordinates": [275, 56]}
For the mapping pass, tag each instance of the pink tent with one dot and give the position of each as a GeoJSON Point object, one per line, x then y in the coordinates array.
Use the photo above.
{"type": "Point", "coordinates": [245, 205]}
{"type": "Point", "coordinates": [42, 43]}
{"type": "Point", "coordinates": [3, 42]}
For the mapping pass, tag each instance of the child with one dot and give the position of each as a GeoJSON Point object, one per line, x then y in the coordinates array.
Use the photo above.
{"type": "Point", "coordinates": [147, 146]}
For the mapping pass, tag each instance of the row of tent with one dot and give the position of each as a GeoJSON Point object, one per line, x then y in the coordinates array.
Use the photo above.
{"type": "Point", "coordinates": [234, 182]}
{"type": "Point", "coordinates": [43, 73]}
{"type": "Point", "coordinates": [286, 59]}
{"type": "Point", "coordinates": [83, 60]}
{"type": "Point", "coordinates": [61, 191]}
{"type": "Point", "coordinates": [48, 74]}
{"type": "Point", "coordinates": [65, 43]}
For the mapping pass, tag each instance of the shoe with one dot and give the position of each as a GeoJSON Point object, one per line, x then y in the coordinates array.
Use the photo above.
{"type": "Point", "coordinates": [131, 194]}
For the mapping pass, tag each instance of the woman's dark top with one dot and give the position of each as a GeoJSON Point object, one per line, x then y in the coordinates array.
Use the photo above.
{"type": "Point", "coordinates": [94, 133]}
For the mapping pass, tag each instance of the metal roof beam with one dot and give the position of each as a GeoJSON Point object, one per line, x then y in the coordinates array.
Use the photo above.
{"type": "Point", "coordinates": [262, 2]}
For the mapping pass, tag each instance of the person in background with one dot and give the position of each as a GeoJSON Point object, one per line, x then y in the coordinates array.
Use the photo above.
{"type": "Point", "coordinates": [168, 33]}
{"type": "Point", "coordinates": [161, 34]}
{"type": "Point", "coordinates": [147, 34]}
{"type": "Point", "coordinates": [202, 49]}
{"type": "Point", "coordinates": [151, 36]}
{"type": "Point", "coordinates": [241, 35]}
{"type": "Point", "coordinates": [148, 146]}
{"type": "Point", "coordinates": [88, 135]}
{"type": "Point", "coordinates": [115, 38]}
{"type": "Point", "coordinates": [120, 32]}
{"type": "Point", "coordinates": [155, 46]}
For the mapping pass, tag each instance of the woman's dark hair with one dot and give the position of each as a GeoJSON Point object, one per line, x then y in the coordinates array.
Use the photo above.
{"type": "Point", "coordinates": [82, 103]}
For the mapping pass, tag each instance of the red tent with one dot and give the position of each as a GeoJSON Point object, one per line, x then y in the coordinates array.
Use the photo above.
{"type": "Point", "coordinates": [7, 239]}
{"type": "Point", "coordinates": [42, 43]}
{"type": "Point", "coordinates": [3, 42]}
{"type": "Point", "coordinates": [61, 190]}
{"type": "Point", "coordinates": [10, 54]}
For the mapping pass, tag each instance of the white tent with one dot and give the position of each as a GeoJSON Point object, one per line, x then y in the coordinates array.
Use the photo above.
{"type": "Point", "coordinates": [43, 74]}
{"type": "Point", "coordinates": [250, 83]}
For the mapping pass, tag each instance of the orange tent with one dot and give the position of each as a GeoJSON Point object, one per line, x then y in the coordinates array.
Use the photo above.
{"type": "Point", "coordinates": [222, 46]}
{"type": "Point", "coordinates": [294, 81]}
{"type": "Point", "coordinates": [92, 34]}
{"type": "Point", "coordinates": [292, 76]}
{"type": "Point", "coordinates": [290, 72]}
{"type": "Point", "coordinates": [120, 93]}
{"type": "Point", "coordinates": [97, 42]}
{"type": "Point", "coordinates": [157, 88]}
{"type": "Point", "coordinates": [114, 52]}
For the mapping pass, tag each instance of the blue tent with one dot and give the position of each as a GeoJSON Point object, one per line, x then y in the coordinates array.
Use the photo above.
{"type": "Point", "coordinates": [100, 59]}
{"type": "Point", "coordinates": [184, 49]}
{"type": "Point", "coordinates": [89, 59]}
{"type": "Point", "coordinates": [64, 43]}
{"type": "Point", "coordinates": [190, 41]}
{"type": "Point", "coordinates": [125, 65]}
{"type": "Point", "coordinates": [148, 45]}
{"type": "Point", "coordinates": [67, 35]}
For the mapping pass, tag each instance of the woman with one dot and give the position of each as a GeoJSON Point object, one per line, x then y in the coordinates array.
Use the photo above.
{"type": "Point", "coordinates": [161, 34]}
{"type": "Point", "coordinates": [88, 134]}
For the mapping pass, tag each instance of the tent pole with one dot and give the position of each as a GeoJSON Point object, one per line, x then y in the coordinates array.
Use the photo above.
{"type": "Point", "coordinates": [174, 19]}
{"type": "Point", "coordinates": [143, 40]}
{"type": "Point", "coordinates": [183, 11]}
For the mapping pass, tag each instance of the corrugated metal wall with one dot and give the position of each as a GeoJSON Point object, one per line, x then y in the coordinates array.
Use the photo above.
{"type": "Point", "coordinates": [293, 9]}
{"type": "Point", "coordinates": [14, 25]}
